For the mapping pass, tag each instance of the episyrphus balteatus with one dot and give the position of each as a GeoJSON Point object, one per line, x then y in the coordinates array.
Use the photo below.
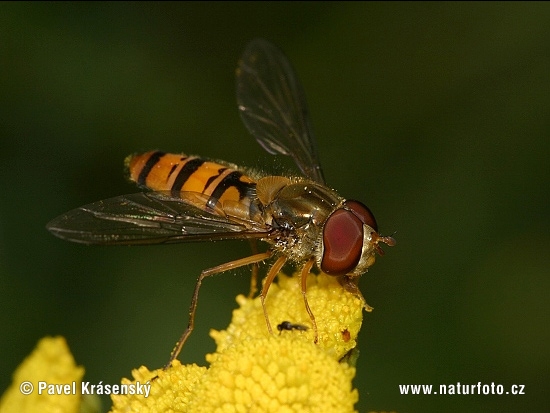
{"type": "Point", "coordinates": [192, 199]}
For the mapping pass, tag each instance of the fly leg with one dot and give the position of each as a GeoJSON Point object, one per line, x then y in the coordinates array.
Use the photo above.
{"type": "Point", "coordinates": [255, 267]}
{"type": "Point", "coordinates": [305, 271]}
{"type": "Point", "coordinates": [253, 259]}
{"type": "Point", "coordinates": [273, 271]}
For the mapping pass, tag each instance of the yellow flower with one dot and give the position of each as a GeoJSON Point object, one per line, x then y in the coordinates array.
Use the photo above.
{"type": "Point", "coordinates": [170, 390]}
{"type": "Point", "coordinates": [275, 374]}
{"type": "Point", "coordinates": [338, 315]}
{"type": "Point", "coordinates": [51, 362]}
{"type": "Point", "coordinates": [253, 371]}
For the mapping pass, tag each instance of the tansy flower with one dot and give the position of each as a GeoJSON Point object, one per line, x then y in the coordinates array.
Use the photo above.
{"type": "Point", "coordinates": [338, 315]}
{"type": "Point", "coordinates": [50, 362]}
{"type": "Point", "coordinates": [275, 374]}
{"type": "Point", "coordinates": [253, 371]}
{"type": "Point", "coordinates": [170, 390]}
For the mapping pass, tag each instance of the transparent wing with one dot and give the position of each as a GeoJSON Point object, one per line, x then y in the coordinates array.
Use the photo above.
{"type": "Point", "coordinates": [149, 218]}
{"type": "Point", "coordinates": [273, 106]}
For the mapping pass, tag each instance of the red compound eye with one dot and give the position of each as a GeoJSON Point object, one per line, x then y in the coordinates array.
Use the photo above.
{"type": "Point", "coordinates": [363, 213]}
{"type": "Point", "coordinates": [342, 241]}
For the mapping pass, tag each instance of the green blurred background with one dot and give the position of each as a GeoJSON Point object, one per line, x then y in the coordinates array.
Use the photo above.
{"type": "Point", "coordinates": [433, 114]}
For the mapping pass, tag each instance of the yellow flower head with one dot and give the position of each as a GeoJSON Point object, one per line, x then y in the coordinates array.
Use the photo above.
{"type": "Point", "coordinates": [253, 371]}
{"type": "Point", "coordinates": [338, 315]}
{"type": "Point", "coordinates": [170, 390]}
{"type": "Point", "coordinates": [51, 362]}
{"type": "Point", "coordinates": [275, 374]}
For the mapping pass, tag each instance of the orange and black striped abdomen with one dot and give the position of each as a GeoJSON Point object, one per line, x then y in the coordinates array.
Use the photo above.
{"type": "Point", "coordinates": [176, 173]}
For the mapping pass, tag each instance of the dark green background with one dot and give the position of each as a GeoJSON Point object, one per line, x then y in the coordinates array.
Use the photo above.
{"type": "Point", "coordinates": [436, 115]}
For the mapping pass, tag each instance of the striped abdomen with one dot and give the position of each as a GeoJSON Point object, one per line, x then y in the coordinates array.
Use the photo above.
{"type": "Point", "coordinates": [178, 173]}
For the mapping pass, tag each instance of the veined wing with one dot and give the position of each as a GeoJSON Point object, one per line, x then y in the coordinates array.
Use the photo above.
{"type": "Point", "coordinates": [150, 218]}
{"type": "Point", "coordinates": [273, 106]}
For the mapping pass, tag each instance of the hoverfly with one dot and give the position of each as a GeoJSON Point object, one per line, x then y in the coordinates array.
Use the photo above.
{"type": "Point", "coordinates": [192, 199]}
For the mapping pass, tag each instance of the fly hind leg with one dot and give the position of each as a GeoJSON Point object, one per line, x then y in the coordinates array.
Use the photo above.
{"type": "Point", "coordinates": [253, 259]}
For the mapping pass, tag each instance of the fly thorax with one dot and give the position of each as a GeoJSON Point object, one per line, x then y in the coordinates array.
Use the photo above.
{"type": "Point", "coordinates": [299, 210]}
{"type": "Point", "coordinates": [303, 204]}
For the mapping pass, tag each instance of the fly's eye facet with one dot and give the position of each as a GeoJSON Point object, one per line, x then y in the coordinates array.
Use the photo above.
{"type": "Point", "coordinates": [342, 241]}
{"type": "Point", "coordinates": [362, 212]}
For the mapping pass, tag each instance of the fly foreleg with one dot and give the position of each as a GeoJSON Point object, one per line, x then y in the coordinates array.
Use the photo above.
{"type": "Point", "coordinates": [272, 273]}
{"type": "Point", "coordinates": [305, 271]}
